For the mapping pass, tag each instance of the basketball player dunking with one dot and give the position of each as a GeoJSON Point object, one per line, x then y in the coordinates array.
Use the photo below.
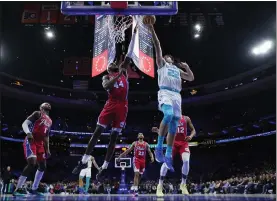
{"type": "Point", "coordinates": [180, 146]}
{"type": "Point", "coordinates": [86, 172]}
{"type": "Point", "coordinates": [115, 110]}
{"type": "Point", "coordinates": [36, 147]}
{"type": "Point", "coordinates": [140, 148]}
{"type": "Point", "coordinates": [170, 83]}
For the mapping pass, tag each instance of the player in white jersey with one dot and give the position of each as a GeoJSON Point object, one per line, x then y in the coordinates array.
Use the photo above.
{"type": "Point", "coordinates": [170, 77]}
{"type": "Point", "coordinates": [86, 172]}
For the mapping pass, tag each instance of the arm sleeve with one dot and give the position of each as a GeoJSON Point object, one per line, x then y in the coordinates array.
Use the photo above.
{"type": "Point", "coordinates": [25, 126]}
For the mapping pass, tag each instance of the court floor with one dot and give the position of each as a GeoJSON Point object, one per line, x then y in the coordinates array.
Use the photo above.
{"type": "Point", "coordinates": [142, 198]}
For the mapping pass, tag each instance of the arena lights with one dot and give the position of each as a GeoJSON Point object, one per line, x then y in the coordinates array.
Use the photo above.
{"type": "Point", "coordinates": [263, 48]}
{"type": "Point", "coordinates": [198, 30]}
{"type": "Point", "coordinates": [196, 35]}
{"type": "Point", "coordinates": [198, 27]}
{"type": "Point", "coordinates": [49, 33]}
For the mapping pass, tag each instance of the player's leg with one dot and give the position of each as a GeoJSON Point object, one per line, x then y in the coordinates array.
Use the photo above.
{"type": "Point", "coordinates": [167, 110]}
{"type": "Point", "coordinates": [88, 176]}
{"type": "Point", "coordinates": [163, 173]}
{"type": "Point", "coordinates": [172, 129]}
{"type": "Point", "coordinates": [30, 155]}
{"type": "Point", "coordinates": [31, 164]}
{"type": "Point", "coordinates": [103, 120]}
{"type": "Point", "coordinates": [120, 114]}
{"type": "Point", "coordinates": [81, 180]}
{"type": "Point", "coordinates": [39, 173]}
{"type": "Point", "coordinates": [185, 170]}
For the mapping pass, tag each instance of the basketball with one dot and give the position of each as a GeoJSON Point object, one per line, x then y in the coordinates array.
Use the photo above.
{"type": "Point", "coordinates": [149, 19]}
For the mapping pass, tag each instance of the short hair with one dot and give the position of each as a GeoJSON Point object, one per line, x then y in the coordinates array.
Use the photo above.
{"type": "Point", "coordinates": [169, 55]}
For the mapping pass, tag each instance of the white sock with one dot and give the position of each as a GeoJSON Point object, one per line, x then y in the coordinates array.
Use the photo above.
{"type": "Point", "coordinates": [38, 177]}
{"type": "Point", "coordinates": [21, 181]}
{"type": "Point", "coordinates": [161, 182]}
{"type": "Point", "coordinates": [85, 158]}
{"type": "Point", "coordinates": [135, 188]}
{"type": "Point", "coordinates": [185, 167]}
{"type": "Point", "coordinates": [105, 165]}
{"type": "Point", "coordinates": [163, 172]}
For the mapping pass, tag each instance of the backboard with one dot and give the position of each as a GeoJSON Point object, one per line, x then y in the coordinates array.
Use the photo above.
{"type": "Point", "coordinates": [123, 163]}
{"type": "Point", "coordinates": [119, 8]}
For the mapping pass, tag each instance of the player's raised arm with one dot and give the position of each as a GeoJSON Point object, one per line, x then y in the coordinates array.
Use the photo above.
{"type": "Point", "coordinates": [127, 151]}
{"type": "Point", "coordinates": [109, 83]}
{"type": "Point", "coordinates": [128, 57]}
{"type": "Point", "coordinates": [192, 129]}
{"type": "Point", "coordinates": [30, 120]}
{"type": "Point", "coordinates": [188, 75]}
{"type": "Point", "coordinates": [159, 55]}
{"type": "Point", "coordinates": [150, 153]}
{"type": "Point", "coordinates": [94, 163]}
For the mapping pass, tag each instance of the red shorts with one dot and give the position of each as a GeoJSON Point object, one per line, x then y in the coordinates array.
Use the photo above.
{"type": "Point", "coordinates": [115, 113]}
{"type": "Point", "coordinates": [180, 147]}
{"type": "Point", "coordinates": [34, 150]}
{"type": "Point", "coordinates": [139, 165]}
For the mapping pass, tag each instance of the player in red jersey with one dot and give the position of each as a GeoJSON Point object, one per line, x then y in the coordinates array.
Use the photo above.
{"type": "Point", "coordinates": [36, 147]}
{"type": "Point", "coordinates": [115, 110]}
{"type": "Point", "coordinates": [140, 147]}
{"type": "Point", "coordinates": [181, 147]}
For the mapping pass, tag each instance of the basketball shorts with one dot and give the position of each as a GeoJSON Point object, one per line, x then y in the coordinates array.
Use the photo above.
{"type": "Point", "coordinates": [34, 149]}
{"type": "Point", "coordinates": [171, 98]}
{"type": "Point", "coordinates": [114, 113]}
{"type": "Point", "coordinates": [85, 172]}
{"type": "Point", "coordinates": [139, 165]}
{"type": "Point", "coordinates": [179, 148]}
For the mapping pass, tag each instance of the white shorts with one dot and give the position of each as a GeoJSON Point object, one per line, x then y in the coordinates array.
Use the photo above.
{"type": "Point", "coordinates": [85, 172]}
{"type": "Point", "coordinates": [171, 98]}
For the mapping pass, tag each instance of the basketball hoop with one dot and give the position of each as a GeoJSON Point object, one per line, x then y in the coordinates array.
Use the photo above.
{"type": "Point", "coordinates": [117, 26]}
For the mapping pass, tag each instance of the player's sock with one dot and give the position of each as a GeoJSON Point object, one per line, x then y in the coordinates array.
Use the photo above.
{"type": "Point", "coordinates": [184, 179]}
{"type": "Point", "coordinates": [163, 172]}
{"type": "Point", "coordinates": [37, 179]}
{"type": "Point", "coordinates": [87, 183]}
{"type": "Point", "coordinates": [168, 152]}
{"type": "Point", "coordinates": [21, 181]}
{"type": "Point", "coordinates": [135, 188]}
{"type": "Point", "coordinates": [160, 142]}
{"type": "Point", "coordinates": [161, 180]}
{"type": "Point", "coordinates": [105, 165]}
{"type": "Point", "coordinates": [85, 158]}
{"type": "Point", "coordinates": [185, 167]}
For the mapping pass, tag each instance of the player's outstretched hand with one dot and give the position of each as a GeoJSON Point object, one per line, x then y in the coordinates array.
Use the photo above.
{"type": "Point", "coordinates": [188, 138]}
{"type": "Point", "coordinates": [30, 138]}
{"type": "Point", "coordinates": [155, 129]}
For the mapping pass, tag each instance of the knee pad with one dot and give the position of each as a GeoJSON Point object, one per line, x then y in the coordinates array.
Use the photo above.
{"type": "Point", "coordinates": [168, 114]}
{"type": "Point", "coordinates": [173, 125]}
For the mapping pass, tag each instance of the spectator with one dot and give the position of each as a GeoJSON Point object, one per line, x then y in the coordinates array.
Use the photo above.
{"type": "Point", "coordinates": [7, 176]}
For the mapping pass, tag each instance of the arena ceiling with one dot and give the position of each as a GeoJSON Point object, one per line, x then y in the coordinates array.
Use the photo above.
{"type": "Point", "coordinates": [221, 50]}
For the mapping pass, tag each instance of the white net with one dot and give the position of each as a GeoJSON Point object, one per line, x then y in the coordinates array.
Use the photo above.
{"type": "Point", "coordinates": [117, 26]}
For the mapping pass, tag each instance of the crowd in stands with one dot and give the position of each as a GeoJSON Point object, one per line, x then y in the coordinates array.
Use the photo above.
{"type": "Point", "coordinates": [263, 183]}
